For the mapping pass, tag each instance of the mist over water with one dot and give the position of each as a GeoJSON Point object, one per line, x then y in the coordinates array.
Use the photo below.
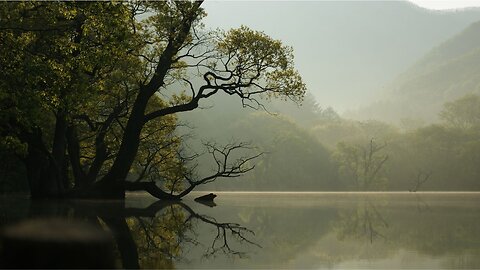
{"type": "Point", "coordinates": [352, 230]}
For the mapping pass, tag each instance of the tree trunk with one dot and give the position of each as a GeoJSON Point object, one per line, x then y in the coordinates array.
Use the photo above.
{"type": "Point", "coordinates": [125, 243]}
{"type": "Point", "coordinates": [56, 182]}
{"type": "Point", "coordinates": [155, 191]}
{"type": "Point", "coordinates": [36, 165]}
{"type": "Point", "coordinates": [73, 148]}
{"type": "Point", "coordinates": [112, 185]}
{"type": "Point", "coordinates": [114, 179]}
{"type": "Point", "coordinates": [46, 172]}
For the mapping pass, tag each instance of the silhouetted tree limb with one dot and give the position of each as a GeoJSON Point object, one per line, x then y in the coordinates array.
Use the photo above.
{"type": "Point", "coordinates": [422, 178]}
{"type": "Point", "coordinates": [224, 168]}
{"type": "Point", "coordinates": [220, 242]}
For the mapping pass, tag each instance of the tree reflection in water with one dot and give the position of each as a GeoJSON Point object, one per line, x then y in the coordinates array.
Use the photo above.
{"type": "Point", "coordinates": [362, 222]}
{"type": "Point", "coordinates": [150, 237]}
{"type": "Point", "coordinates": [408, 230]}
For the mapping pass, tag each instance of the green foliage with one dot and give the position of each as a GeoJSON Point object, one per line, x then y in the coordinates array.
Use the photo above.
{"type": "Point", "coordinates": [448, 154]}
{"type": "Point", "coordinates": [159, 239]}
{"type": "Point", "coordinates": [78, 84]}
{"type": "Point", "coordinates": [463, 113]}
{"type": "Point", "coordinates": [254, 56]}
{"type": "Point", "coordinates": [363, 164]}
{"type": "Point", "coordinates": [69, 63]}
{"type": "Point", "coordinates": [69, 60]}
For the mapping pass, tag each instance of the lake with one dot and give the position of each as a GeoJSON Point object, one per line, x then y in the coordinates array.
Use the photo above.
{"type": "Point", "coordinates": [282, 230]}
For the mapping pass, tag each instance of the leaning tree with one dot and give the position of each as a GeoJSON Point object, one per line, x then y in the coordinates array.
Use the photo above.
{"type": "Point", "coordinates": [89, 92]}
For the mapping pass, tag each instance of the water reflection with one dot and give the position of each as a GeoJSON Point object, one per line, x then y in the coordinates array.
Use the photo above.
{"type": "Point", "coordinates": [363, 222]}
{"type": "Point", "coordinates": [405, 230]}
{"type": "Point", "coordinates": [146, 237]}
{"type": "Point", "coordinates": [410, 230]}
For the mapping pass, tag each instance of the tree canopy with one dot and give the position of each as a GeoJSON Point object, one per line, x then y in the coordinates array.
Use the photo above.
{"type": "Point", "coordinates": [89, 100]}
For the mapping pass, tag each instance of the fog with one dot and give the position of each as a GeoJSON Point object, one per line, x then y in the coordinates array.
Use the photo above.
{"type": "Point", "coordinates": [347, 51]}
{"type": "Point", "coordinates": [391, 103]}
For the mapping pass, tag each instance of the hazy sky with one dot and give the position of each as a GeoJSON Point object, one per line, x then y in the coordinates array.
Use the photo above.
{"type": "Point", "coordinates": [445, 5]}
{"type": "Point", "coordinates": [347, 52]}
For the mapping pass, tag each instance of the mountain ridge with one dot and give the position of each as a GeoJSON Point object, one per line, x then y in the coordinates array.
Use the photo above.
{"type": "Point", "coordinates": [447, 72]}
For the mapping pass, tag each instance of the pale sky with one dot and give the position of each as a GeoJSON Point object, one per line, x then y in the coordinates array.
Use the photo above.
{"type": "Point", "coordinates": [348, 51]}
{"type": "Point", "coordinates": [445, 5]}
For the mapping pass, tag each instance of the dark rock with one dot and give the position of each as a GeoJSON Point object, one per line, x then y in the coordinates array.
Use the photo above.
{"type": "Point", "coordinates": [206, 198]}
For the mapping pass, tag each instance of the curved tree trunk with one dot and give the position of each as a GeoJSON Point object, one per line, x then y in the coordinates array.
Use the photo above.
{"type": "Point", "coordinates": [73, 148]}
{"type": "Point", "coordinates": [116, 176]}
{"type": "Point", "coordinates": [155, 191]}
{"type": "Point", "coordinates": [47, 169]}
{"type": "Point", "coordinates": [130, 141]}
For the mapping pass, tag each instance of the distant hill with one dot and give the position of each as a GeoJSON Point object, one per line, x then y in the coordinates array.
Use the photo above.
{"type": "Point", "coordinates": [346, 51]}
{"type": "Point", "coordinates": [447, 72]}
{"type": "Point", "coordinates": [293, 158]}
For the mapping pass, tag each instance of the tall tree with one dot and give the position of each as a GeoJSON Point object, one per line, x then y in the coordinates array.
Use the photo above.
{"type": "Point", "coordinates": [363, 164]}
{"type": "Point", "coordinates": [86, 92]}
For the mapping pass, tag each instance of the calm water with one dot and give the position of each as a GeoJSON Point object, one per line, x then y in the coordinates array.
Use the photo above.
{"type": "Point", "coordinates": [283, 230]}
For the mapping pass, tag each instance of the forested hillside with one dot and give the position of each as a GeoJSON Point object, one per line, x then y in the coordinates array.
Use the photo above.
{"type": "Point", "coordinates": [447, 72]}
{"type": "Point", "coordinates": [310, 148]}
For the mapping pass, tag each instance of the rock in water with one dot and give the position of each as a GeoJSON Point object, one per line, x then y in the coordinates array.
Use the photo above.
{"type": "Point", "coordinates": [206, 198]}
{"type": "Point", "coordinates": [56, 243]}
{"type": "Point", "coordinates": [207, 203]}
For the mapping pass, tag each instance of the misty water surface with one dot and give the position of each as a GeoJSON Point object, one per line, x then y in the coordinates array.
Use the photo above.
{"type": "Point", "coordinates": [284, 230]}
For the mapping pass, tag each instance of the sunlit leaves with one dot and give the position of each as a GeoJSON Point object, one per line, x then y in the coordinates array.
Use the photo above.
{"type": "Point", "coordinates": [92, 64]}
{"type": "Point", "coordinates": [159, 239]}
{"type": "Point", "coordinates": [253, 48]}
{"type": "Point", "coordinates": [286, 83]}
{"type": "Point", "coordinates": [254, 63]}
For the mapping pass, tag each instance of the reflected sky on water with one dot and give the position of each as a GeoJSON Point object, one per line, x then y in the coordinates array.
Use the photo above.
{"type": "Point", "coordinates": [281, 230]}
